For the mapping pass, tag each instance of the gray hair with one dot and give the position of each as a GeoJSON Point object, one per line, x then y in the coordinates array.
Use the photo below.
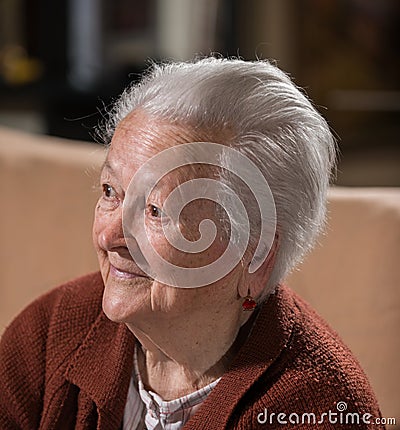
{"type": "Point", "coordinates": [273, 124]}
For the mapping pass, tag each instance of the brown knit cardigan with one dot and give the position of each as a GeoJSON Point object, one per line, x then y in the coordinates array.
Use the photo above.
{"type": "Point", "coordinates": [64, 365]}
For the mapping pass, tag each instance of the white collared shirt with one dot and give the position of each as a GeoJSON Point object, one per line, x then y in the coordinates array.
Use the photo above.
{"type": "Point", "coordinates": [147, 410]}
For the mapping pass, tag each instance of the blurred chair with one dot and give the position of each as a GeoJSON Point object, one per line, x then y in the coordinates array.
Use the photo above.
{"type": "Point", "coordinates": [352, 277]}
{"type": "Point", "coordinates": [48, 196]}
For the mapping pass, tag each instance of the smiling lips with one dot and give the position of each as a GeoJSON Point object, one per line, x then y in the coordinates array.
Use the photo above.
{"type": "Point", "coordinates": [119, 273]}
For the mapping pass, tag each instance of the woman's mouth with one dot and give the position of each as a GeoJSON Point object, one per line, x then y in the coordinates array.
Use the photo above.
{"type": "Point", "coordinates": [119, 273]}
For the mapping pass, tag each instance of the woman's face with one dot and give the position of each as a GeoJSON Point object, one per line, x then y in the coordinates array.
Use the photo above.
{"type": "Point", "coordinates": [130, 295]}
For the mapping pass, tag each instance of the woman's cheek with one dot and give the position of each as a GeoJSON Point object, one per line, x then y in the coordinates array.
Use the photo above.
{"type": "Point", "coordinates": [160, 244]}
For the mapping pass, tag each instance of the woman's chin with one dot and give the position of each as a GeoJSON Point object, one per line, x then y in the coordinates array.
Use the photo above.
{"type": "Point", "coordinates": [123, 301]}
{"type": "Point", "coordinates": [113, 309]}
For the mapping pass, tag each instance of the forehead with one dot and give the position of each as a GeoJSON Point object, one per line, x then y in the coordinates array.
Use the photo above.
{"type": "Point", "coordinates": [139, 137]}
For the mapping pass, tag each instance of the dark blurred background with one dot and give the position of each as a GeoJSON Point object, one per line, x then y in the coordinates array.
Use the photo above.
{"type": "Point", "coordinates": [62, 61]}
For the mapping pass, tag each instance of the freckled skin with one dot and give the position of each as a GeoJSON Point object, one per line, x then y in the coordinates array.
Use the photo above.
{"type": "Point", "coordinates": [184, 332]}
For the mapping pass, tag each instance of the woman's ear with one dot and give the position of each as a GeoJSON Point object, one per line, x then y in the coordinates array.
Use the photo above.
{"type": "Point", "coordinates": [255, 283]}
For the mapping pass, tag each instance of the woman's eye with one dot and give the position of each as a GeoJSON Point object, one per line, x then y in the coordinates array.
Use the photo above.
{"type": "Point", "coordinates": [154, 211]}
{"type": "Point", "coordinates": [108, 191]}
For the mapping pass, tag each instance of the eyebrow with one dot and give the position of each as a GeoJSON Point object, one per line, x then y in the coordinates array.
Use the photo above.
{"type": "Point", "coordinates": [107, 166]}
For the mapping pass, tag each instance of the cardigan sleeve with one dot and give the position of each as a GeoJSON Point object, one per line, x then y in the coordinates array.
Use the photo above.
{"type": "Point", "coordinates": [22, 367]}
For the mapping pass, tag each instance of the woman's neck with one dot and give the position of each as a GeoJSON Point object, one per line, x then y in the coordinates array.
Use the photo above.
{"type": "Point", "coordinates": [183, 365]}
{"type": "Point", "coordinates": [170, 379]}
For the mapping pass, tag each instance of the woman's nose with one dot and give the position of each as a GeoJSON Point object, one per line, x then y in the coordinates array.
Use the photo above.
{"type": "Point", "coordinates": [110, 234]}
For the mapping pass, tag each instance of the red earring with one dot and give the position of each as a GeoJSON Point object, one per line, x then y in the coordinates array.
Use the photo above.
{"type": "Point", "coordinates": [249, 304]}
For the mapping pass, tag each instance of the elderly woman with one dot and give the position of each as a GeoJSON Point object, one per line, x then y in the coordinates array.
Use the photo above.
{"type": "Point", "coordinates": [213, 189]}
